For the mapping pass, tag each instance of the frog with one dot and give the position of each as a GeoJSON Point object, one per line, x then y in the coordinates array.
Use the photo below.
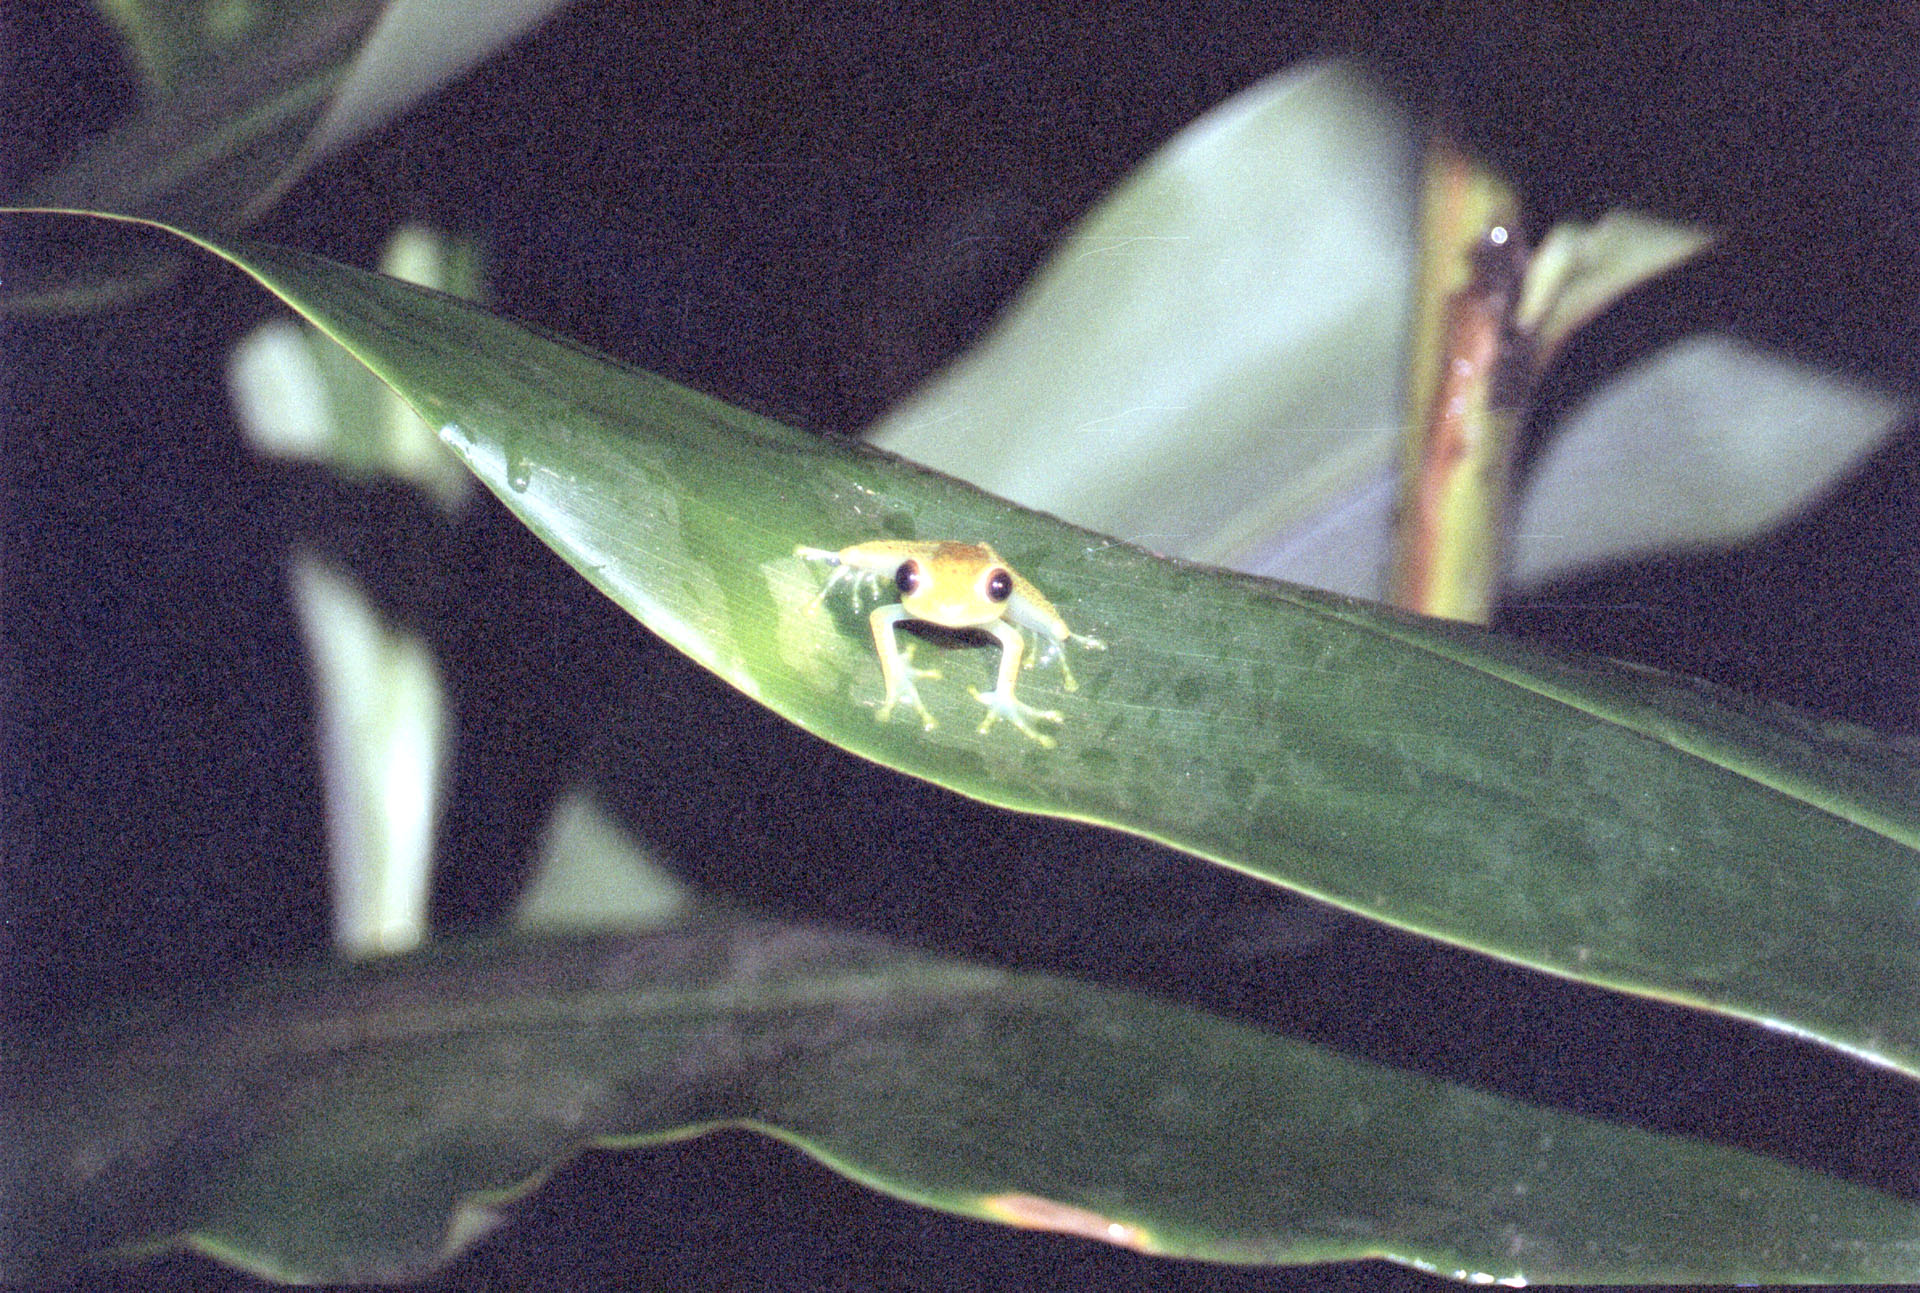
{"type": "Point", "coordinates": [953, 585]}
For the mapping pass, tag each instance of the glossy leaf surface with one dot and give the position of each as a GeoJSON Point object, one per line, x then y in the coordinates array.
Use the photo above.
{"type": "Point", "coordinates": [1583, 818]}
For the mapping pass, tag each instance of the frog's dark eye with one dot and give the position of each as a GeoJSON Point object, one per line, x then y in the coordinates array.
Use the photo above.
{"type": "Point", "coordinates": [999, 584]}
{"type": "Point", "coordinates": [908, 577]}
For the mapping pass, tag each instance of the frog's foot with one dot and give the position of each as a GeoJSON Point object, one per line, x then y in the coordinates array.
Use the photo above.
{"type": "Point", "coordinates": [1003, 705]}
{"type": "Point", "coordinates": [901, 689]}
{"type": "Point", "coordinates": [910, 695]}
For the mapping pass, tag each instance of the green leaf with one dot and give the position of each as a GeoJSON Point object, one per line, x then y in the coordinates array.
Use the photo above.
{"type": "Point", "coordinates": [368, 1125]}
{"type": "Point", "coordinates": [1579, 817]}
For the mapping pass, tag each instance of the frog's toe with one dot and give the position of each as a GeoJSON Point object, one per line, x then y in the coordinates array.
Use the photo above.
{"type": "Point", "coordinates": [884, 714]}
{"type": "Point", "coordinates": [999, 705]}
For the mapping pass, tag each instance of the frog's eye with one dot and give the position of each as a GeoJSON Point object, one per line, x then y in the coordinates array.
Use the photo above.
{"type": "Point", "coordinates": [998, 585]}
{"type": "Point", "coordinates": [908, 578]}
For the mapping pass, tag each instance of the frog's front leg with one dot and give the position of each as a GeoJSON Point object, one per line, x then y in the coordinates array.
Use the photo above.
{"type": "Point", "coordinates": [1033, 612]}
{"type": "Point", "coordinates": [896, 666]}
{"type": "Point", "coordinates": [1000, 702]}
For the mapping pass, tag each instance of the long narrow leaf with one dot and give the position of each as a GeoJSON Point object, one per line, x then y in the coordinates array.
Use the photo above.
{"type": "Point", "coordinates": [1580, 817]}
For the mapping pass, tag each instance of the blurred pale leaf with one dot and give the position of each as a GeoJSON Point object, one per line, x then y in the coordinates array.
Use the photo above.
{"type": "Point", "coordinates": [1216, 349]}
{"type": "Point", "coordinates": [1707, 441]}
{"type": "Point", "coordinates": [593, 875]}
{"type": "Point", "coordinates": [383, 737]}
{"type": "Point", "coordinates": [1580, 269]}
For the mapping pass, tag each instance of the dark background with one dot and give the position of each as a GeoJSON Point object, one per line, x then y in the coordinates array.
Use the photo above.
{"type": "Point", "coordinates": [806, 211]}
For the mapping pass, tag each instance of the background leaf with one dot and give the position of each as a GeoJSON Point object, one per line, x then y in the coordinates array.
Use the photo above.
{"type": "Point", "coordinates": [382, 721]}
{"type": "Point", "coordinates": [241, 101]}
{"type": "Point", "coordinates": [1218, 347]}
{"type": "Point", "coordinates": [1705, 442]}
{"type": "Point", "coordinates": [355, 1126]}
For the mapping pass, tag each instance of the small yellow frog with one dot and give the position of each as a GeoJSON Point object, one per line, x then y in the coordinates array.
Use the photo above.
{"type": "Point", "coordinates": [955, 586]}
